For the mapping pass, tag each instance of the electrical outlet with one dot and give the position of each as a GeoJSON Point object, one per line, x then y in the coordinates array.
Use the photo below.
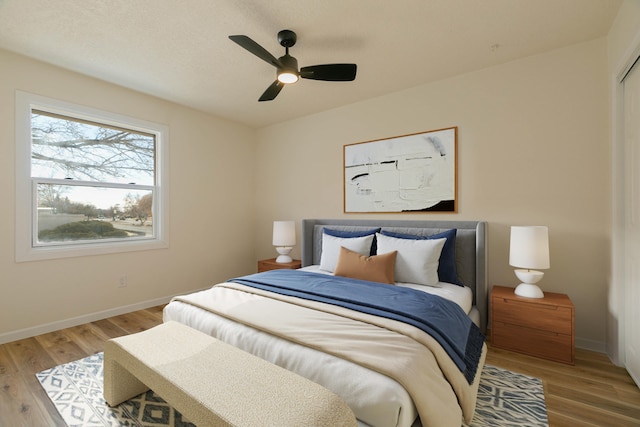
{"type": "Point", "coordinates": [122, 283]}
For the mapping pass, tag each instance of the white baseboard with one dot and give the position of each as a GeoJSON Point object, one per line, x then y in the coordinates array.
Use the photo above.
{"type": "Point", "coordinates": [586, 344]}
{"type": "Point", "coordinates": [80, 320]}
{"type": "Point", "coordinates": [592, 345]}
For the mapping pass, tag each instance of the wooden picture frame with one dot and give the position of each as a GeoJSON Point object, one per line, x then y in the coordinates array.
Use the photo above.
{"type": "Point", "coordinates": [408, 173]}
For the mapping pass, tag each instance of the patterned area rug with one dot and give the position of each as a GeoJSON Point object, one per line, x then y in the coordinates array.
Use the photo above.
{"type": "Point", "coordinates": [505, 398]}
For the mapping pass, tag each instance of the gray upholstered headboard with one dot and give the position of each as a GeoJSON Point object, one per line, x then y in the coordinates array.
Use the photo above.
{"type": "Point", "coordinates": [471, 247]}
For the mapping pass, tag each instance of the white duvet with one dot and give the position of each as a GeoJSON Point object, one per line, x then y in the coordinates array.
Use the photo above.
{"type": "Point", "coordinates": [376, 400]}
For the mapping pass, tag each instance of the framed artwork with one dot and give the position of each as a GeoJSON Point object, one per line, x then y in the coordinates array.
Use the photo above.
{"type": "Point", "coordinates": [409, 173]}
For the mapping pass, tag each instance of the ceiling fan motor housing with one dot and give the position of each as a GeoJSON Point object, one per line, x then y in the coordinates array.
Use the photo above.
{"type": "Point", "coordinates": [287, 38]}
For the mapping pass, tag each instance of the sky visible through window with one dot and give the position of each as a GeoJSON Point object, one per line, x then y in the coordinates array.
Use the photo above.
{"type": "Point", "coordinates": [86, 152]}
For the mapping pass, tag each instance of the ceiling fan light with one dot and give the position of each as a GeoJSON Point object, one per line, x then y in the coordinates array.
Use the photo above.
{"type": "Point", "coordinates": [287, 77]}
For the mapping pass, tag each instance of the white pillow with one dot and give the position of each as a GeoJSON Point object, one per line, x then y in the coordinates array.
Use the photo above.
{"type": "Point", "coordinates": [417, 260]}
{"type": "Point", "coordinates": [331, 249]}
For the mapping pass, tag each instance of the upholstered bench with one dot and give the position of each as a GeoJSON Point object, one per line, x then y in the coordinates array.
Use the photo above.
{"type": "Point", "coordinates": [215, 384]}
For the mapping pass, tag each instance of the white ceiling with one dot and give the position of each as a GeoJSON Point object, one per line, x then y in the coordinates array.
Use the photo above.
{"type": "Point", "coordinates": [180, 51]}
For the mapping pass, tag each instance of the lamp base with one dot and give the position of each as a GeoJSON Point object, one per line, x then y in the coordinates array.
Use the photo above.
{"type": "Point", "coordinates": [528, 290]}
{"type": "Point", "coordinates": [283, 259]}
{"type": "Point", "coordinates": [284, 252]}
{"type": "Point", "coordinates": [529, 276]}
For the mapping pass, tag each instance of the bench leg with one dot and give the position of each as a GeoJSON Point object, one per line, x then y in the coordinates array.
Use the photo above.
{"type": "Point", "coordinates": [119, 383]}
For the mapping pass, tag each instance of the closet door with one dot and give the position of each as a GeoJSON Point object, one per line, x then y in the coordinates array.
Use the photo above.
{"type": "Point", "coordinates": [632, 220]}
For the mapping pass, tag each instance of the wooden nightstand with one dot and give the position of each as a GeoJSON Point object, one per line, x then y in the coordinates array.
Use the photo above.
{"type": "Point", "coordinates": [271, 264]}
{"type": "Point", "coordinates": [541, 327]}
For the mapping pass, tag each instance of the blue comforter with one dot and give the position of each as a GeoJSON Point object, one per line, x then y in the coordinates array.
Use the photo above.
{"type": "Point", "coordinates": [444, 320]}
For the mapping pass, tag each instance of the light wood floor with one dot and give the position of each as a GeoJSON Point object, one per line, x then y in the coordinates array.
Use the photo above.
{"type": "Point", "coordinates": [594, 392]}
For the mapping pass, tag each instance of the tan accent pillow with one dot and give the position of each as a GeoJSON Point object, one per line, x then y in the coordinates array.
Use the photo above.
{"type": "Point", "coordinates": [377, 268]}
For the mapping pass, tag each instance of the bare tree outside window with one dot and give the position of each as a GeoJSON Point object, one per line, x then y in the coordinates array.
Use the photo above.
{"type": "Point", "coordinates": [66, 148]}
{"type": "Point", "coordinates": [94, 181]}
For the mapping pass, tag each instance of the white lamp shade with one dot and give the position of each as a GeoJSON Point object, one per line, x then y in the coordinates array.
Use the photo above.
{"type": "Point", "coordinates": [529, 247]}
{"type": "Point", "coordinates": [284, 233]}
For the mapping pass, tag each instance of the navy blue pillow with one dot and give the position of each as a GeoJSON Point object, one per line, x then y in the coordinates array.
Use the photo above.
{"type": "Point", "coordinates": [447, 270]}
{"type": "Point", "coordinates": [347, 234]}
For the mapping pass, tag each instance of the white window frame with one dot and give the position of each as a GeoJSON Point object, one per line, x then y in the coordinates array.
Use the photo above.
{"type": "Point", "coordinates": [26, 205]}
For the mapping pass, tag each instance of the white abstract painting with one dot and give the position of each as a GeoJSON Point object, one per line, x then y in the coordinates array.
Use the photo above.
{"type": "Point", "coordinates": [412, 173]}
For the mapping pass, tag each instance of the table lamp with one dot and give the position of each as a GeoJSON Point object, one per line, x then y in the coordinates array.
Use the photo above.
{"type": "Point", "coordinates": [284, 239]}
{"type": "Point", "coordinates": [529, 249]}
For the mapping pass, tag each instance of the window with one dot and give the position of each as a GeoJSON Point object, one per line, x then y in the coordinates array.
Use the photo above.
{"type": "Point", "coordinates": [88, 181]}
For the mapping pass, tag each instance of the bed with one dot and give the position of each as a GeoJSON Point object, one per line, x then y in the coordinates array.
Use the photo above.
{"type": "Point", "coordinates": [390, 371]}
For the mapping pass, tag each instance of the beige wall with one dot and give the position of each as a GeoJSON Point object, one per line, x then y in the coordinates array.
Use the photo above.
{"type": "Point", "coordinates": [211, 183]}
{"type": "Point", "coordinates": [533, 149]}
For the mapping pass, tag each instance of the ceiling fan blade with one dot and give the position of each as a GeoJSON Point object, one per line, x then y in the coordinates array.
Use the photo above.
{"type": "Point", "coordinates": [330, 72]}
{"type": "Point", "coordinates": [272, 91]}
{"type": "Point", "coordinates": [256, 49]}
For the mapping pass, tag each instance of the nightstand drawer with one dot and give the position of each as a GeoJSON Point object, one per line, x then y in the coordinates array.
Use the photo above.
{"type": "Point", "coordinates": [546, 317]}
{"type": "Point", "coordinates": [271, 264]}
{"type": "Point", "coordinates": [535, 342]}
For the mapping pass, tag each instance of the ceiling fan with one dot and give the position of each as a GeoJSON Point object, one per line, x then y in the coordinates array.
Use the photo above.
{"type": "Point", "coordinates": [287, 65]}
